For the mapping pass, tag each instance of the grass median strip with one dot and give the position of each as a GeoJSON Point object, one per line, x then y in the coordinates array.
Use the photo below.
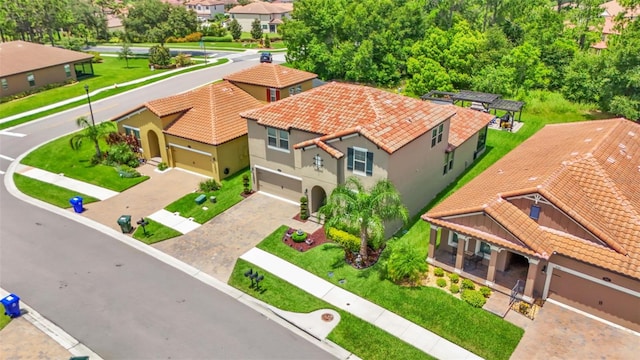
{"type": "Point", "coordinates": [155, 232]}
{"type": "Point", "coordinates": [353, 334]}
{"type": "Point", "coordinates": [49, 193]}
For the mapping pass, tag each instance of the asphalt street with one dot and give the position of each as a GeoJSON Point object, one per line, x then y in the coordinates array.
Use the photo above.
{"type": "Point", "coordinates": [120, 302]}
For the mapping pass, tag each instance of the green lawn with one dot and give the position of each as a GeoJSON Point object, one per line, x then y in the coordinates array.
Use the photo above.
{"type": "Point", "coordinates": [49, 193]}
{"type": "Point", "coordinates": [4, 320]}
{"type": "Point", "coordinates": [58, 158]}
{"type": "Point", "coordinates": [226, 46]}
{"type": "Point", "coordinates": [156, 232]}
{"type": "Point", "coordinates": [357, 336]}
{"type": "Point", "coordinates": [227, 196]}
{"type": "Point", "coordinates": [474, 329]}
{"type": "Point", "coordinates": [77, 89]}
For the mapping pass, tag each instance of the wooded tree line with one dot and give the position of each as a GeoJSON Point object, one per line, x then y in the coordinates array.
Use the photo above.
{"type": "Point", "coordinates": [502, 46]}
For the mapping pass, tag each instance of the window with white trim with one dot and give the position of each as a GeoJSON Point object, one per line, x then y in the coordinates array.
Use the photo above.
{"type": "Point", "coordinates": [67, 70]}
{"type": "Point", "coordinates": [278, 139]}
{"type": "Point", "coordinates": [132, 131]}
{"type": "Point", "coordinates": [273, 95]}
{"type": "Point", "coordinates": [298, 89]}
{"type": "Point", "coordinates": [483, 248]}
{"type": "Point", "coordinates": [5, 84]}
{"type": "Point", "coordinates": [448, 162]}
{"type": "Point", "coordinates": [292, 91]}
{"type": "Point", "coordinates": [31, 79]}
{"type": "Point", "coordinates": [360, 161]}
{"type": "Point", "coordinates": [453, 239]}
{"type": "Point", "coordinates": [436, 135]}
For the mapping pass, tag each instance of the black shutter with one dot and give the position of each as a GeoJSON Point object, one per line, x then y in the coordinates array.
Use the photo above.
{"type": "Point", "coordinates": [369, 163]}
{"type": "Point", "coordinates": [350, 159]}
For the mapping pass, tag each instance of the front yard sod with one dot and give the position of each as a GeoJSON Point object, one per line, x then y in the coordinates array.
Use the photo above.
{"type": "Point", "coordinates": [227, 196]}
{"type": "Point", "coordinates": [156, 232]}
{"type": "Point", "coordinates": [474, 329]}
{"type": "Point", "coordinates": [354, 334]}
{"type": "Point", "coordinates": [58, 157]}
{"type": "Point", "coordinates": [52, 194]}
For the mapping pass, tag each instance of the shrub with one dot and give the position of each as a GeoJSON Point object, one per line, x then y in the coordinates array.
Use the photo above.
{"type": "Point", "coordinates": [127, 172]}
{"type": "Point", "coordinates": [523, 308]}
{"type": "Point", "coordinates": [245, 184]}
{"type": "Point", "coordinates": [485, 291]}
{"type": "Point", "coordinates": [182, 60]}
{"type": "Point", "coordinates": [163, 166]}
{"type": "Point", "coordinates": [226, 38]}
{"type": "Point", "coordinates": [96, 57]}
{"type": "Point", "coordinates": [405, 263]}
{"type": "Point", "coordinates": [468, 284]}
{"type": "Point", "coordinates": [454, 278]}
{"type": "Point", "coordinates": [304, 208]}
{"type": "Point", "coordinates": [438, 272]}
{"type": "Point", "coordinates": [193, 37]}
{"type": "Point", "coordinates": [267, 41]}
{"type": "Point", "coordinates": [441, 282]}
{"type": "Point", "coordinates": [347, 241]}
{"type": "Point", "coordinates": [121, 154]}
{"type": "Point", "coordinates": [159, 55]}
{"type": "Point", "coordinates": [454, 288]}
{"type": "Point", "coordinates": [209, 185]}
{"type": "Point", "coordinates": [299, 236]}
{"type": "Point", "coordinates": [473, 298]}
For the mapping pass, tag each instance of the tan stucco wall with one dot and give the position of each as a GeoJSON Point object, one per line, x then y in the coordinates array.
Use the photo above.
{"type": "Point", "coordinates": [245, 20]}
{"type": "Point", "coordinates": [18, 83]}
{"type": "Point", "coordinates": [192, 161]}
{"type": "Point", "coordinates": [233, 155]}
{"type": "Point", "coordinates": [146, 121]}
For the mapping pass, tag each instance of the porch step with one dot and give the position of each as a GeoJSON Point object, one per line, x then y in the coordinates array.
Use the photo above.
{"type": "Point", "coordinates": [154, 161]}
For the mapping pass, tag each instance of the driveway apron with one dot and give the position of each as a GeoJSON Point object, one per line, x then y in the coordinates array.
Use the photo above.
{"type": "Point", "coordinates": [214, 247]}
{"type": "Point", "coordinates": [140, 201]}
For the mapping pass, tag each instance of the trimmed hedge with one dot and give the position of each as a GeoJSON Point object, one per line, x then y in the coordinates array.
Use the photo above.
{"type": "Point", "coordinates": [441, 282]}
{"type": "Point", "coordinates": [348, 241]}
{"type": "Point", "coordinates": [454, 288]}
{"type": "Point", "coordinates": [438, 272]}
{"type": "Point", "coordinates": [468, 284]}
{"type": "Point", "coordinates": [226, 38]}
{"type": "Point", "coordinates": [454, 278]}
{"type": "Point", "coordinates": [473, 298]}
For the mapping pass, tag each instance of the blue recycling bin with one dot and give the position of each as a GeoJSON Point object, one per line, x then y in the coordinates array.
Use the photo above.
{"type": "Point", "coordinates": [76, 202]}
{"type": "Point", "coordinates": [11, 305]}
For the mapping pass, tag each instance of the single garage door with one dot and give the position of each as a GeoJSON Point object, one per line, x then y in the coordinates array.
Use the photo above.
{"type": "Point", "coordinates": [594, 298]}
{"type": "Point", "coordinates": [192, 161]}
{"type": "Point", "coordinates": [279, 185]}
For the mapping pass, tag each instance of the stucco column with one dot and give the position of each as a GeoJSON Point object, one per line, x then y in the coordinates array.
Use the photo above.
{"type": "Point", "coordinates": [531, 280]}
{"type": "Point", "coordinates": [433, 235]}
{"type": "Point", "coordinates": [460, 254]}
{"type": "Point", "coordinates": [491, 273]}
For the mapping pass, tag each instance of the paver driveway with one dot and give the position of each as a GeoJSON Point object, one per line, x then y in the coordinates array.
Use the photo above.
{"type": "Point", "coordinates": [215, 246]}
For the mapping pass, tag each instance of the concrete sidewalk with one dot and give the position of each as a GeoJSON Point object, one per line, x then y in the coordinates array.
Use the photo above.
{"type": "Point", "coordinates": [65, 182]}
{"type": "Point", "coordinates": [405, 330]}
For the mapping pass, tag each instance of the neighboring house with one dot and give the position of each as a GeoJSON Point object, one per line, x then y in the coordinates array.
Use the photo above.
{"type": "Point", "coordinates": [206, 9]}
{"type": "Point", "coordinates": [610, 11]}
{"type": "Point", "coordinates": [28, 66]}
{"type": "Point", "coordinates": [561, 213]}
{"type": "Point", "coordinates": [271, 82]}
{"type": "Point", "coordinates": [310, 143]}
{"type": "Point", "coordinates": [271, 15]}
{"type": "Point", "coordinates": [200, 130]}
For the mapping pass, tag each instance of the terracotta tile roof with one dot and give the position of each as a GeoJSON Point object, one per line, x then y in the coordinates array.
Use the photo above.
{"type": "Point", "coordinates": [589, 170]}
{"type": "Point", "coordinates": [20, 56]}
{"type": "Point", "coordinates": [270, 75]}
{"type": "Point", "coordinates": [613, 8]}
{"type": "Point", "coordinates": [466, 123]}
{"type": "Point", "coordinates": [388, 120]}
{"type": "Point", "coordinates": [210, 113]}
{"type": "Point", "coordinates": [262, 8]}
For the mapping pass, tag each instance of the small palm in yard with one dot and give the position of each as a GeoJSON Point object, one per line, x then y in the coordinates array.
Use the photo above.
{"type": "Point", "coordinates": [352, 207]}
{"type": "Point", "coordinates": [92, 132]}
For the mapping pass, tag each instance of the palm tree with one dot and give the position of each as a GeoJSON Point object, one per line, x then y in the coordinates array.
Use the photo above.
{"type": "Point", "coordinates": [351, 206]}
{"type": "Point", "coordinates": [91, 132]}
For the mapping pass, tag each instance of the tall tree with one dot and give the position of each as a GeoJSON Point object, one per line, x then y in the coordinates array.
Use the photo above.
{"type": "Point", "coordinates": [256, 29]}
{"type": "Point", "coordinates": [91, 132]}
{"type": "Point", "coordinates": [235, 29]}
{"type": "Point", "coordinates": [125, 52]}
{"type": "Point", "coordinates": [350, 205]}
{"type": "Point", "coordinates": [155, 21]}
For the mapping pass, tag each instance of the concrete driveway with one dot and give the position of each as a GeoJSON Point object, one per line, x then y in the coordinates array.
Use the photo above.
{"type": "Point", "coordinates": [215, 246]}
{"type": "Point", "coordinates": [559, 333]}
{"type": "Point", "coordinates": [143, 200]}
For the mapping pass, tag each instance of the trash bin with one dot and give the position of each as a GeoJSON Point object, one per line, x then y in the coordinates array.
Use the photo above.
{"type": "Point", "coordinates": [125, 223]}
{"type": "Point", "coordinates": [11, 305]}
{"type": "Point", "coordinates": [76, 202]}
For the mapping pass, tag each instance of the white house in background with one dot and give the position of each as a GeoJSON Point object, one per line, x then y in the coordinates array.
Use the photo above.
{"type": "Point", "coordinates": [205, 9]}
{"type": "Point", "coordinates": [269, 14]}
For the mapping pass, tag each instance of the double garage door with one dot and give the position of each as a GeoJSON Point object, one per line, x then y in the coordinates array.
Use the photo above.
{"type": "Point", "coordinates": [279, 185]}
{"type": "Point", "coordinates": [601, 300]}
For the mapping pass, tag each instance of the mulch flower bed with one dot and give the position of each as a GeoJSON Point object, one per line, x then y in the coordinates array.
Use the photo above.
{"type": "Point", "coordinates": [317, 238]}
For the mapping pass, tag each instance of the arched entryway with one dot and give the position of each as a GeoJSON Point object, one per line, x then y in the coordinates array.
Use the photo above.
{"type": "Point", "coordinates": [318, 198]}
{"type": "Point", "coordinates": [154, 144]}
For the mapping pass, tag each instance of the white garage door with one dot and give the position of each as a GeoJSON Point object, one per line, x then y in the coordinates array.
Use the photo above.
{"type": "Point", "coordinates": [279, 185]}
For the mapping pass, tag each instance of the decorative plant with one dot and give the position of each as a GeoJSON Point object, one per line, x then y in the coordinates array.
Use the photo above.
{"type": "Point", "coordinates": [438, 272]}
{"type": "Point", "coordinates": [209, 185]}
{"type": "Point", "coordinates": [485, 291]}
{"type": "Point", "coordinates": [163, 166]}
{"type": "Point", "coordinates": [441, 282]}
{"type": "Point", "coordinates": [454, 278]}
{"type": "Point", "coordinates": [473, 298]}
{"type": "Point", "coordinates": [299, 236]}
{"type": "Point", "coordinates": [454, 288]}
{"type": "Point", "coordinates": [245, 184]}
{"type": "Point", "coordinates": [468, 284]}
{"type": "Point", "coordinates": [304, 208]}
{"type": "Point", "coordinates": [405, 263]}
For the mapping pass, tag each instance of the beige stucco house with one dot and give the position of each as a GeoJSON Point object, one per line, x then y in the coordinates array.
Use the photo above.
{"type": "Point", "coordinates": [310, 143]}
{"type": "Point", "coordinates": [271, 15]}
{"type": "Point", "coordinates": [28, 66]}
{"type": "Point", "coordinates": [200, 130]}
{"type": "Point", "coordinates": [560, 213]}
{"type": "Point", "coordinates": [271, 82]}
